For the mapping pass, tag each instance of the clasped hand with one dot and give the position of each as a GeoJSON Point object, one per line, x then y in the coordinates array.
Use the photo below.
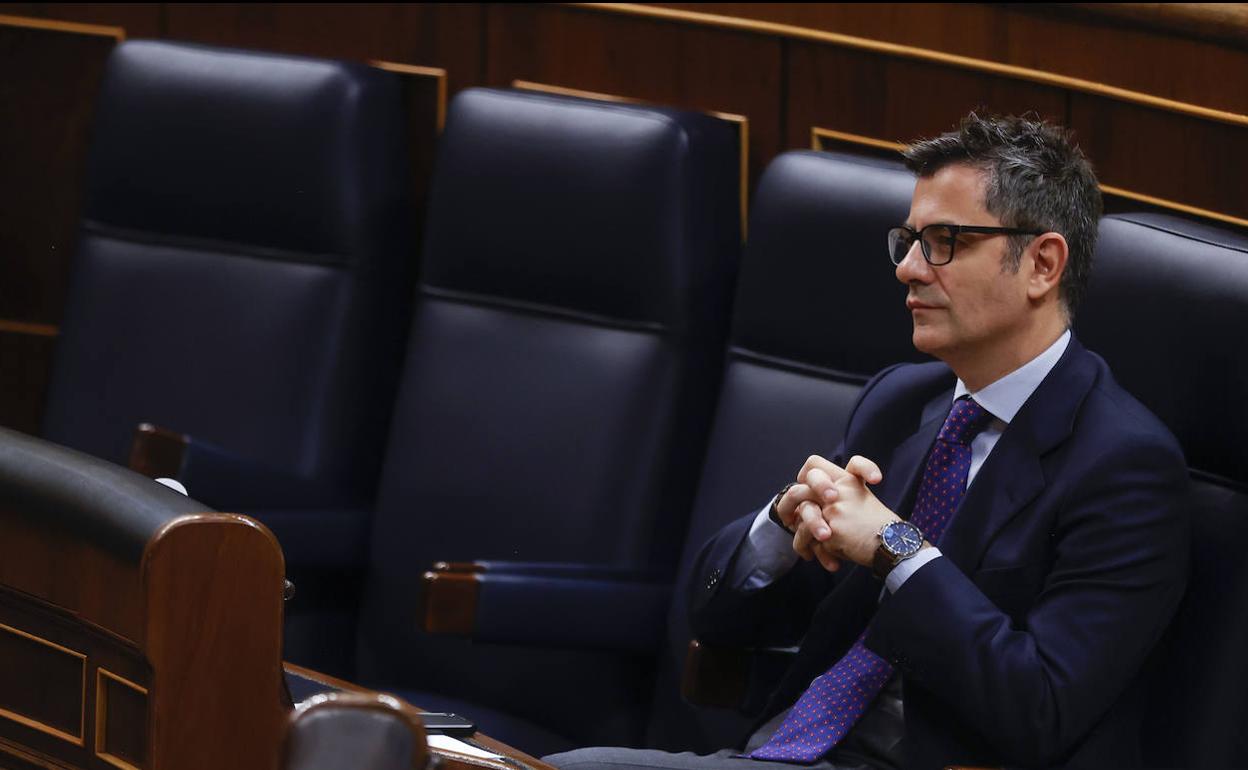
{"type": "Point", "coordinates": [832, 513]}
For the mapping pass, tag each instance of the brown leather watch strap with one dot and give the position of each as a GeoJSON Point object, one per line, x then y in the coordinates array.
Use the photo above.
{"type": "Point", "coordinates": [883, 561]}
{"type": "Point", "coordinates": [773, 513]}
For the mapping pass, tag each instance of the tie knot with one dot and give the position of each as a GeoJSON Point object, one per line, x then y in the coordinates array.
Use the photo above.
{"type": "Point", "coordinates": [965, 420]}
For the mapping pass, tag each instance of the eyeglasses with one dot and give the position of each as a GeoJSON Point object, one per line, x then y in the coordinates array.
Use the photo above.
{"type": "Point", "coordinates": [938, 241]}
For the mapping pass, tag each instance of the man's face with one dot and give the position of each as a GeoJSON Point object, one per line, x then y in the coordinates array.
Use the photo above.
{"type": "Point", "coordinates": [972, 304]}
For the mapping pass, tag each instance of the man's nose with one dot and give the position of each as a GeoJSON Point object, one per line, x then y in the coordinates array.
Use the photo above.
{"type": "Point", "coordinates": [914, 267]}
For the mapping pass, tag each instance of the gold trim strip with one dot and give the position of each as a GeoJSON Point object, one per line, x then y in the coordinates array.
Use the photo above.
{"type": "Point", "coordinates": [437, 73]}
{"type": "Point", "coordinates": [101, 716]}
{"type": "Point", "coordinates": [77, 740]}
{"type": "Point", "coordinates": [743, 141]}
{"type": "Point", "coordinates": [25, 327]}
{"type": "Point", "coordinates": [102, 672]}
{"type": "Point", "coordinates": [547, 88]}
{"type": "Point", "coordinates": [1169, 204]}
{"type": "Point", "coordinates": [819, 135]}
{"type": "Point", "coordinates": [742, 122]}
{"type": "Point", "coordinates": [117, 33]}
{"type": "Point", "coordinates": [920, 54]}
{"type": "Point", "coordinates": [22, 753]}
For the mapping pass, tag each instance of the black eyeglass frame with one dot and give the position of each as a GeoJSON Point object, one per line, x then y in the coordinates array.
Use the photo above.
{"type": "Point", "coordinates": [954, 231]}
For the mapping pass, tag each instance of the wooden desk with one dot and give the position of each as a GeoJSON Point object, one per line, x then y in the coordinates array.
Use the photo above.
{"type": "Point", "coordinates": [139, 630]}
{"type": "Point", "coordinates": [514, 758]}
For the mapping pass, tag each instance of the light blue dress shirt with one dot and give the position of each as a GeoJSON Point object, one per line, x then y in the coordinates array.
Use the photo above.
{"type": "Point", "coordinates": [768, 551]}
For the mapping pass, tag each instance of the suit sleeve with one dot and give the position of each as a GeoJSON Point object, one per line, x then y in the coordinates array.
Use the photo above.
{"type": "Point", "coordinates": [779, 613]}
{"type": "Point", "coordinates": [1033, 686]}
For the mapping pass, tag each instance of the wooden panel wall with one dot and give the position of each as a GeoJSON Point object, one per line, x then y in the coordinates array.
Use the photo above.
{"type": "Point", "coordinates": [1157, 101]}
{"type": "Point", "coordinates": [678, 64]}
{"type": "Point", "coordinates": [46, 96]}
{"type": "Point", "coordinates": [1160, 50]}
{"type": "Point", "coordinates": [895, 99]}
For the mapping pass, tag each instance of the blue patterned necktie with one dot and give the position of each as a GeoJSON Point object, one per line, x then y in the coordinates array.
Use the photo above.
{"type": "Point", "coordinates": [836, 700]}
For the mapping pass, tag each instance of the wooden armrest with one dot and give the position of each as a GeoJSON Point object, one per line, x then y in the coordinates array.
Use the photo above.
{"type": "Point", "coordinates": [225, 478]}
{"type": "Point", "coordinates": [157, 452]}
{"type": "Point", "coordinates": [716, 677]}
{"type": "Point", "coordinates": [449, 598]}
{"type": "Point", "coordinates": [740, 678]}
{"type": "Point", "coordinates": [556, 604]}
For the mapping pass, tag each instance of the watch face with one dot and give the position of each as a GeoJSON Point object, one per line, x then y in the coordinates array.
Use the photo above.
{"type": "Point", "coordinates": [902, 538]}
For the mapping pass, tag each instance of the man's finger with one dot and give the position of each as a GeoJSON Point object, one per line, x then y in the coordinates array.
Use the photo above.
{"type": "Point", "coordinates": [827, 560]}
{"type": "Point", "coordinates": [864, 469]}
{"type": "Point", "coordinates": [811, 530]}
{"type": "Point", "coordinates": [822, 490]}
{"type": "Point", "coordinates": [786, 506]}
{"type": "Point", "coordinates": [811, 515]}
{"type": "Point", "coordinates": [815, 461]}
{"type": "Point", "coordinates": [803, 543]}
{"type": "Point", "coordinates": [816, 465]}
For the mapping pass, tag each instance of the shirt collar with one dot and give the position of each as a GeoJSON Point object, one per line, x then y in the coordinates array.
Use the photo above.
{"type": "Point", "coordinates": [1007, 395]}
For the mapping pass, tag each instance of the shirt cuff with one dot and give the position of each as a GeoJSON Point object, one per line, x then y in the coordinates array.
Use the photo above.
{"type": "Point", "coordinates": [766, 554]}
{"type": "Point", "coordinates": [902, 572]}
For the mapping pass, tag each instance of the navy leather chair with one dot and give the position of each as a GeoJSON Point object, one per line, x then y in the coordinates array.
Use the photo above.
{"type": "Point", "coordinates": [242, 278]}
{"type": "Point", "coordinates": [1168, 300]}
{"type": "Point", "coordinates": [579, 258]}
{"type": "Point", "coordinates": [817, 312]}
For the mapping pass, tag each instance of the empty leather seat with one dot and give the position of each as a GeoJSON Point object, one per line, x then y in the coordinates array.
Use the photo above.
{"type": "Point", "coordinates": [242, 274]}
{"type": "Point", "coordinates": [563, 362]}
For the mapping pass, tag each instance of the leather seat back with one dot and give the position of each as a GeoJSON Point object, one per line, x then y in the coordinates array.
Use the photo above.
{"type": "Point", "coordinates": [578, 264]}
{"type": "Point", "coordinates": [242, 265]}
{"type": "Point", "coordinates": [1167, 300]}
{"type": "Point", "coordinates": [818, 311]}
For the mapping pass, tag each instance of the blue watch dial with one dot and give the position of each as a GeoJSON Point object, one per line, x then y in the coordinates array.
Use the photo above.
{"type": "Point", "coordinates": [902, 538]}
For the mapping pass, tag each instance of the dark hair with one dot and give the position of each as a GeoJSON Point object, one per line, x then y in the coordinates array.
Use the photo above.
{"type": "Point", "coordinates": [1038, 179]}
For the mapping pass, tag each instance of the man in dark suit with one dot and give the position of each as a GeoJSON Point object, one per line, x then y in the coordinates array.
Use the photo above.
{"type": "Point", "coordinates": [1000, 541]}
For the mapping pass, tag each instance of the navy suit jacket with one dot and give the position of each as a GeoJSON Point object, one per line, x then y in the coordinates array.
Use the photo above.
{"type": "Point", "coordinates": [1063, 565]}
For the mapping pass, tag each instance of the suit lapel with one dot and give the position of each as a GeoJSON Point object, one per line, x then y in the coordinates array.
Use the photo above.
{"type": "Point", "coordinates": [1010, 478]}
{"type": "Point", "coordinates": [1013, 475]}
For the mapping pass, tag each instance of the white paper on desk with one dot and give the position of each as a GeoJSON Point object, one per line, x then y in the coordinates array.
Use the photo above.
{"type": "Point", "coordinates": [447, 743]}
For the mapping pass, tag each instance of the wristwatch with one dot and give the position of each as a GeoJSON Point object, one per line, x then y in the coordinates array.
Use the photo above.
{"type": "Point", "coordinates": [773, 513]}
{"type": "Point", "coordinates": [899, 540]}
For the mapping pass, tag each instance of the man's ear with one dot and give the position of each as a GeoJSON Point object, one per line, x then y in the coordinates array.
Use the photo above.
{"type": "Point", "coordinates": [1048, 254]}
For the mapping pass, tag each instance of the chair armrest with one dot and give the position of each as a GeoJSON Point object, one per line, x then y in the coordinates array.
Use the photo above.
{"type": "Point", "coordinates": [587, 607]}
{"type": "Point", "coordinates": [314, 526]}
{"type": "Point", "coordinates": [367, 731]}
{"type": "Point", "coordinates": [739, 678]}
{"type": "Point", "coordinates": [157, 452]}
{"type": "Point", "coordinates": [225, 479]}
